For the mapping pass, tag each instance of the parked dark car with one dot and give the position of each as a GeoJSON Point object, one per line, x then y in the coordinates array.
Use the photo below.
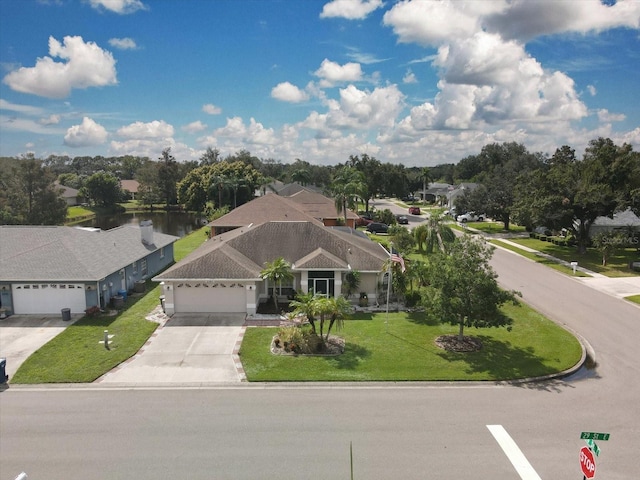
{"type": "Point", "coordinates": [363, 221]}
{"type": "Point", "coordinates": [414, 210]}
{"type": "Point", "coordinates": [376, 227]}
{"type": "Point", "coordinates": [402, 219]}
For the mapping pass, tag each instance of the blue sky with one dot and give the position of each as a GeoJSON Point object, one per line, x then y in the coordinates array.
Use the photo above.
{"type": "Point", "coordinates": [417, 82]}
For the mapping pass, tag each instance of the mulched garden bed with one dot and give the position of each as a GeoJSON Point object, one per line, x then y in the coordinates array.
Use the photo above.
{"type": "Point", "coordinates": [333, 346]}
{"type": "Point", "coordinates": [452, 343]}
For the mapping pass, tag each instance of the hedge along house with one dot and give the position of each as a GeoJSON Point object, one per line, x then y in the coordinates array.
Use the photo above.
{"type": "Point", "coordinates": [223, 275]}
{"type": "Point", "coordinates": [44, 269]}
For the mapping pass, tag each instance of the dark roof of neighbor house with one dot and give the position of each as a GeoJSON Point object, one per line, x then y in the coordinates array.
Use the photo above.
{"type": "Point", "coordinates": [243, 253]}
{"type": "Point", "coordinates": [55, 253]}
{"type": "Point", "coordinates": [263, 209]}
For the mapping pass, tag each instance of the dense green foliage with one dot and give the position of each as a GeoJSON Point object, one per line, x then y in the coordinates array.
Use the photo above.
{"type": "Point", "coordinates": [28, 194]}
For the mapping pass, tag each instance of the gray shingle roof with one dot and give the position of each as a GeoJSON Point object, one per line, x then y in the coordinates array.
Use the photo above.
{"type": "Point", "coordinates": [242, 253]}
{"type": "Point", "coordinates": [54, 253]}
{"type": "Point", "coordinates": [267, 208]}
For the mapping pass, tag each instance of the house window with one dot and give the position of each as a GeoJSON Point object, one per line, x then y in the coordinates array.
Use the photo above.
{"type": "Point", "coordinates": [162, 252]}
{"type": "Point", "coordinates": [283, 288]}
{"type": "Point", "coordinates": [322, 283]}
{"type": "Point", "coordinates": [134, 267]}
{"type": "Point", "coordinates": [143, 266]}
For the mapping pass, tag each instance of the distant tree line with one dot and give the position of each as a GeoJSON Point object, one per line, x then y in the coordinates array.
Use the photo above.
{"type": "Point", "coordinates": [514, 185]}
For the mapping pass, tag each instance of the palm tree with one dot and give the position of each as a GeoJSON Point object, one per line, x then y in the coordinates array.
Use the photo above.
{"type": "Point", "coordinates": [348, 186]}
{"type": "Point", "coordinates": [334, 309]}
{"type": "Point", "coordinates": [221, 183]}
{"type": "Point", "coordinates": [276, 272]}
{"type": "Point", "coordinates": [305, 304]}
{"type": "Point", "coordinates": [433, 232]}
{"type": "Point", "coordinates": [426, 179]}
{"type": "Point", "coordinates": [301, 176]}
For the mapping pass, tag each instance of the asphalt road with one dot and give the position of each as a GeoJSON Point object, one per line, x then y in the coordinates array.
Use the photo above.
{"type": "Point", "coordinates": [303, 431]}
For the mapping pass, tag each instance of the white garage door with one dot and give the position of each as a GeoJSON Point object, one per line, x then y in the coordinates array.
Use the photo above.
{"type": "Point", "coordinates": [201, 298]}
{"type": "Point", "coordinates": [45, 298]}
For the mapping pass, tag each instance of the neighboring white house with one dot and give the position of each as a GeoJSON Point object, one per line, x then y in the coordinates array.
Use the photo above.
{"type": "Point", "coordinates": [44, 269]}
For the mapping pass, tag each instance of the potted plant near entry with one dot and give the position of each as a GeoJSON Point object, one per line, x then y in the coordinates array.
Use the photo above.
{"type": "Point", "coordinates": [364, 300]}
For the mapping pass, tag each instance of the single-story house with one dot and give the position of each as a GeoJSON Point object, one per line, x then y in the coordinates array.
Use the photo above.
{"type": "Point", "coordinates": [130, 187]}
{"type": "Point", "coordinates": [622, 222]}
{"type": "Point", "coordinates": [71, 196]}
{"type": "Point", "coordinates": [458, 191]}
{"type": "Point", "coordinates": [303, 206]}
{"type": "Point", "coordinates": [322, 208]}
{"type": "Point", "coordinates": [223, 275]}
{"type": "Point", "coordinates": [436, 191]}
{"type": "Point", "coordinates": [44, 269]}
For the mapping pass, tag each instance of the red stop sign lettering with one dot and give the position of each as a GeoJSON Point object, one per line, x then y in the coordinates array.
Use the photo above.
{"type": "Point", "coordinates": [587, 462]}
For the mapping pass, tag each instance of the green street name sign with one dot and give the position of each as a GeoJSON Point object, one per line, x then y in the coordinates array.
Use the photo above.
{"type": "Point", "coordinates": [594, 436]}
{"type": "Point", "coordinates": [594, 448]}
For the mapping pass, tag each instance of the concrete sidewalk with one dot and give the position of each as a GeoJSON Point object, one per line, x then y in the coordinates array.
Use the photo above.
{"type": "Point", "coordinates": [617, 286]}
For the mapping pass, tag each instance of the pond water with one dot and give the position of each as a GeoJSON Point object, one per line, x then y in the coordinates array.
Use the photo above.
{"type": "Point", "coordinates": [171, 223]}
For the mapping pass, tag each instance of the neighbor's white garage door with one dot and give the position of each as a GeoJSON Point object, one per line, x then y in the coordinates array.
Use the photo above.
{"type": "Point", "coordinates": [44, 298]}
{"type": "Point", "coordinates": [197, 298]}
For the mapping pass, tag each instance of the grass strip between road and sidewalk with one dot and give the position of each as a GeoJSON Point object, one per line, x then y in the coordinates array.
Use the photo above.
{"type": "Point", "coordinates": [77, 356]}
{"type": "Point", "coordinates": [549, 262]}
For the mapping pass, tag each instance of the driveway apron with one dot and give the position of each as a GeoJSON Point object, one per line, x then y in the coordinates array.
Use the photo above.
{"type": "Point", "coordinates": [187, 349]}
{"type": "Point", "coordinates": [22, 335]}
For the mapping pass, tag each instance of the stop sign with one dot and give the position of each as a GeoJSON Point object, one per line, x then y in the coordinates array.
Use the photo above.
{"type": "Point", "coordinates": [587, 462]}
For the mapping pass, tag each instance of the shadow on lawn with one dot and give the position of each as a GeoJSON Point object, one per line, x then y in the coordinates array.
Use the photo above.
{"type": "Point", "coordinates": [501, 360]}
{"type": "Point", "coordinates": [421, 318]}
{"type": "Point", "coordinates": [353, 355]}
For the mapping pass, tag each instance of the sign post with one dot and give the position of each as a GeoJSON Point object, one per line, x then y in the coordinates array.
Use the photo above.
{"type": "Point", "coordinates": [587, 463]}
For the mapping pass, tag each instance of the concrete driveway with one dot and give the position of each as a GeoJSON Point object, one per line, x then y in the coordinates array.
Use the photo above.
{"type": "Point", "coordinates": [21, 335]}
{"type": "Point", "coordinates": [188, 349]}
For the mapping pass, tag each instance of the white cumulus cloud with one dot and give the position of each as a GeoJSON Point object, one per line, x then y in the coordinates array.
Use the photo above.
{"type": "Point", "coordinates": [122, 7]}
{"type": "Point", "coordinates": [194, 127]}
{"type": "Point", "coordinates": [50, 120]}
{"type": "Point", "coordinates": [87, 134]}
{"type": "Point", "coordinates": [211, 109]}
{"type": "Point", "coordinates": [605, 115]}
{"type": "Point", "coordinates": [409, 77]}
{"type": "Point", "coordinates": [331, 73]}
{"type": "Point", "coordinates": [526, 19]}
{"type": "Point", "coordinates": [84, 65]}
{"type": "Point", "coordinates": [287, 92]}
{"type": "Point", "coordinates": [123, 43]}
{"type": "Point", "coordinates": [350, 9]}
{"type": "Point", "coordinates": [154, 129]}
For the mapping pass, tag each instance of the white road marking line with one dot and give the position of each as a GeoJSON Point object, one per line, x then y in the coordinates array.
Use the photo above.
{"type": "Point", "coordinates": [513, 453]}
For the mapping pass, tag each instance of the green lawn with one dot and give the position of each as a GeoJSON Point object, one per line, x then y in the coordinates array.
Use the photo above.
{"type": "Point", "coordinates": [77, 356]}
{"type": "Point", "coordinates": [543, 260]}
{"type": "Point", "coordinates": [492, 228]}
{"type": "Point", "coordinates": [617, 265]}
{"type": "Point", "coordinates": [634, 299]}
{"type": "Point", "coordinates": [404, 350]}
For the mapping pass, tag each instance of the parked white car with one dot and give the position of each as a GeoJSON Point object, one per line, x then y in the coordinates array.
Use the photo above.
{"type": "Point", "coordinates": [470, 217]}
